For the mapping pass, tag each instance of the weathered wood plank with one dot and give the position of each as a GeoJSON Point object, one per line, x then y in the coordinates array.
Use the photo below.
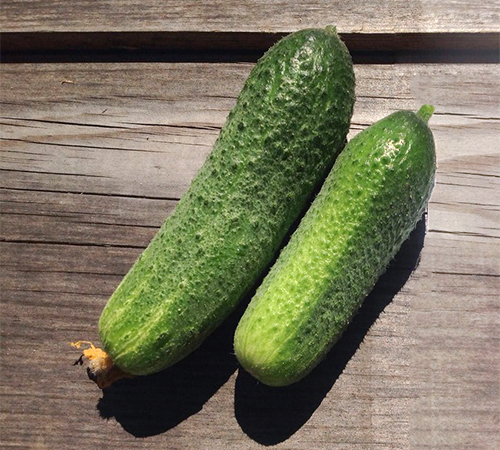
{"type": "Point", "coordinates": [385, 395]}
{"type": "Point", "coordinates": [455, 357]}
{"type": "Point", "coordinates": [250, 15]}
{"type": "Point", "coordinates": [87, 131]}
{"type": "Point", "coordinates": [96, 155]}
{"type": "Point", "coordinates": [59, 218]}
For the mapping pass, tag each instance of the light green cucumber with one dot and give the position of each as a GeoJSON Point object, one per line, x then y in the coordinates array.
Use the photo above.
{"type": "Point", "coordinates": [275, 149]}
{"type": "Point", "coordinates": [369, 204]}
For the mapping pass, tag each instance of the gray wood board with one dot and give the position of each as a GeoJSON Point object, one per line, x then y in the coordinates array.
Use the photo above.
{"type": "Point", "coordinates": [95, 156]}
{"type": "Point", "coordinates": [383, 16]}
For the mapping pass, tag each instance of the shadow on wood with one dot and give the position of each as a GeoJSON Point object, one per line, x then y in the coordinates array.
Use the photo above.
{"type": "Point", "coordinates": [271, 415]}
{"type": "Point", "coordinates": [150, 405]}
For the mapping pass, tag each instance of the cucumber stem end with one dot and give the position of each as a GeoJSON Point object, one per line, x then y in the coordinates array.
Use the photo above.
{"type": "Point", "coordinates": [425, 112]}
{"type": "Point", "coordinates": [331, 29]}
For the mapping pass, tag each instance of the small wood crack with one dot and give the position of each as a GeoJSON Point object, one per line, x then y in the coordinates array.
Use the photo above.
{"type": "Point", "coordinates": [102, 194]}
{"type": "Point", "coordinates": [464, 233]}
{"type": "Point", "coordinates": [75, 244]}
{"type": "Point", "coordinates": [41, 172]}
{"type": "Point", "coordinates": [60, 122]}
{"type": "Point", "coordinates": [468, 274]}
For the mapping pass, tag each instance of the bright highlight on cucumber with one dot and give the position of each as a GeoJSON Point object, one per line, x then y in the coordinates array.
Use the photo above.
{"type": "Point", "coordinates": [371, 201]}
{"type": "Point", "coordinates": [278, 144]}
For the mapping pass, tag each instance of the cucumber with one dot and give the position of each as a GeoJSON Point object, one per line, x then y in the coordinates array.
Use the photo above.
{"type": "Point", "coordinates": [367, 207]}
{"type": "Point", "coordinates": [275, 149]}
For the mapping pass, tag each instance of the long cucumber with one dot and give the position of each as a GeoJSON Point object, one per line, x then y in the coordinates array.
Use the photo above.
{"type": "Point", "coordinates": [277, 145]}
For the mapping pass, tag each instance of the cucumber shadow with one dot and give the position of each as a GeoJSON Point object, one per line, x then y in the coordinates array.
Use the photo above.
{"type": "Point", "coordinates": [153, 404]}
{"type": "Point", "coordinates": [271, 415]}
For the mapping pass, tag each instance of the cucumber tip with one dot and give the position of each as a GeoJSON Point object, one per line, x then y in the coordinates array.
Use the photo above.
{"type": "Point", "coordinates": [331, 29]}
{"type": "Point", "coordinates": [425, 112]}
{"type": "Point", "coordinates": [100, 368]}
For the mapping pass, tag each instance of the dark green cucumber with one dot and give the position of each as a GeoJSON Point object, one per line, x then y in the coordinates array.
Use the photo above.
{"type": "Point", "coordinates": [277, 145]}
{"type": "Point", "coordinates": [369, 204]}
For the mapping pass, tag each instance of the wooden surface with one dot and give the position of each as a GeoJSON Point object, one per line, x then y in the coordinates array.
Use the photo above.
{"type": "Point", "coordinates": [94, 156]}
{"type": "Point", "coordinates": [367, 16]}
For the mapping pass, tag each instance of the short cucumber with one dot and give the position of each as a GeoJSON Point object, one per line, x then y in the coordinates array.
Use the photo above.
{"type": "Point", "coordinates": [277, 145]}
{"type": "Point", "coordinates": [369, 204]}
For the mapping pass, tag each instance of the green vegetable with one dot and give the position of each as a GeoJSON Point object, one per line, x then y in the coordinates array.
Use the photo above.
{"type": "Point", "coordinates": [369, 204]}
{"type": "Point", "coordinates": [277, 146]}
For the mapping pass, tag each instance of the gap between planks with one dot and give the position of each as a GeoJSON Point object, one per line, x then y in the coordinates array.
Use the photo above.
{"type": "Point", "coordinates": [176, 46]}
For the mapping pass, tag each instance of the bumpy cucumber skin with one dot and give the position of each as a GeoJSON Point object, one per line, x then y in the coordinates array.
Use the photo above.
{"type": "Point", "coordinates": [369, 204]}
{"type": "Point", "coordinates": [279, 142]}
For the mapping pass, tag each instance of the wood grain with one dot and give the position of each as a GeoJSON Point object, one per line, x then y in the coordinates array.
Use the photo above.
{"type": "Point", "coordinates": [94, 156]}
{"type": "Point", "coordinates": [383, 16]}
